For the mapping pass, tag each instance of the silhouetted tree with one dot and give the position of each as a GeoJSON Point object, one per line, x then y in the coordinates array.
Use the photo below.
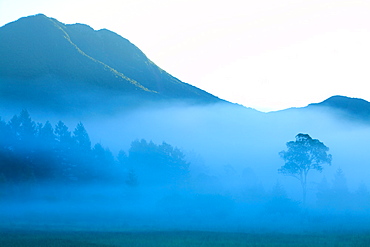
{"type": "Point", "coordinates": [15, 125]}
{"type": "Point", "coordinates": [336, 197]}
{"type": "Point", "coordinates": [280, 203]}
{"type": "Point", "coordinates": [157, 163]}
{"type": "Point", "coordinates": [131, 178]}
{"type": "Point", "coordinates": [103, 161]}
{"type": "Point", "coordinates": [102, 155]}
{"type": "Point", "coordinates": [45, 135]}
{"type": "Point", "coordinates": [324, 194]}
{"type": "Point", "coordinates": [63, 135]}
{"type": "Point", "coordinates": [23, 131]}
{"type": "Point", "coordinates": [82, 159]}
{"type": "Point", "coordinates": [5, 136]}
{"type": "Point", "coordinates": [122, 158]}
{"type": "Point", "coordinates": [18, 156]}
{"type": "Point", "coordinates": [64, 152]}
{"type": "Point", "coordinates": [45, 155]}
{"type": "Point", "coordinates": [127, 168]}
{"type": "Point", "coordinates": [341, 197]}
{"type": "Point", "coordinates": [362, 198]}
{"type": "Point", "coordinates": [81, 137]}
{"type": "Point", "coordinates": [340, 183]}
{"type": "Point", "coordinates": [27, 129]}
{"type": "Point", "coordinates": [304, 154]}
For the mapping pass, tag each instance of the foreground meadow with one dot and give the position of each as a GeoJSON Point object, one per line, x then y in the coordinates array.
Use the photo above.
{"type": "Point", "coordinates": [15, 238]}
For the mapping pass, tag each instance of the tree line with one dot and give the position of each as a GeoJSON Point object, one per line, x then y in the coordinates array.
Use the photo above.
{"type": "Point", "coordinates": [38, 152]}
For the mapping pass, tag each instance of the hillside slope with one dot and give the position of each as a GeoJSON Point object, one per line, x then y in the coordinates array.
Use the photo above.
{"type": "Point", "coordinates": [342, 108]}
{"type": "Point", "coordinates": [352, 107]}
{"type": "Point", "coordinates": [45, 63]}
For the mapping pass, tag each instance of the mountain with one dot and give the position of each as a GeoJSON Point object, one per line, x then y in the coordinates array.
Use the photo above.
{"type": "Point", "coordinates": [351, 108]}
{"type": "Point", "coordinates": [340, 107]}
{"type": "Point", "coordinates": [45, 63]}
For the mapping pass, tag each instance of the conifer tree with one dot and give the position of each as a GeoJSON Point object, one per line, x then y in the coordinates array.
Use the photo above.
{"type": "Point", "coordinates": [81, 137]}
{"type": "Point", "coordinates": [46, 136]}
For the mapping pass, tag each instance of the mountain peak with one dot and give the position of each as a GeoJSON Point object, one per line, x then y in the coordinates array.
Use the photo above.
{"type": "Point", "coordinates": [32, 18]}
{"type": "Point", "coordinates": [354, 108]}
{"type": "Point", "coordinates": [344, 102]}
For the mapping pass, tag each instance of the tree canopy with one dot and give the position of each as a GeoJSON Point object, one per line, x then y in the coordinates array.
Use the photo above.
{"type": "Point", "coordinates": [157, 163]}
{"type": "Point", "coordinates": [304, 154]}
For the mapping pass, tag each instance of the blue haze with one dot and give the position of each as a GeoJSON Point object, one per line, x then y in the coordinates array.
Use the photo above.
{"type": "Point", "coordinates": [233, 183]}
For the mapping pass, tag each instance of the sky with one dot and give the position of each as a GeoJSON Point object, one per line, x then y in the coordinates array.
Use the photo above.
{"type": "Point", "coordinates": [266, 54]}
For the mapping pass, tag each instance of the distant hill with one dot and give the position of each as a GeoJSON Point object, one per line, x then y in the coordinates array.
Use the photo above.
{"type": "Point", "coordinates": [342, 107]}
{"type": "Point", "coordinates": [45, 63]}
{"type": "Point", "coordinates": [352, 108]}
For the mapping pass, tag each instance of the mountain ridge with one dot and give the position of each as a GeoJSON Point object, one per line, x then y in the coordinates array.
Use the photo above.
{"type": "Point", "coordinates": [343, 107]}
{"type": "Point", "coordinates": [72, 67]}
{"type": "Point", "coordinates": [349, 107]}
{"type": "Point", "coordinates": [76, 57]}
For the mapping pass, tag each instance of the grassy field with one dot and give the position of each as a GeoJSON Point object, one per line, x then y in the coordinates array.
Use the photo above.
{"type": "Point", "coordinates": [20, 238]}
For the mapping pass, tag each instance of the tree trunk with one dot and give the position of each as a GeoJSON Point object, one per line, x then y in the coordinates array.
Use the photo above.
{"type": "Point", "coordinates": [304, 193]}
{"type": "Point", "coordinates": [304, 189]}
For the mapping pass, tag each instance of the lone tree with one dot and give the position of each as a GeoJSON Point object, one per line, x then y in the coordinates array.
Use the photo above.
{"type": "Point", "coordinates": [304, 154]}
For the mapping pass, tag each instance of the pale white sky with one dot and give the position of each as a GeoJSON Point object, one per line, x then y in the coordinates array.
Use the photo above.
{"type": "Point", "coordinates": [264, 54]}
